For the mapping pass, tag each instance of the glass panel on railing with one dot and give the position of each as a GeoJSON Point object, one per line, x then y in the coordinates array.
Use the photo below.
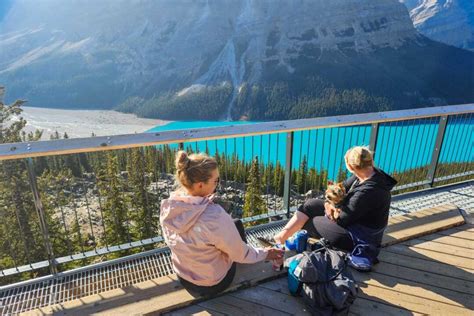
{"type": "Point", "coordinates": [318, 157]}
{"type": "Point", "coordinates": [456, 157]}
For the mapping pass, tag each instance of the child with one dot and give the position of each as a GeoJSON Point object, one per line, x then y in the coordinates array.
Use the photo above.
{"type": "Point", "coordinates": [205, 242]}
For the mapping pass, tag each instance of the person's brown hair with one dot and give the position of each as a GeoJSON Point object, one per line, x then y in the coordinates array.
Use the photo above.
{"type": "Point", "coordinates": [193, 168]}
{"type": "Point", "coordinates": [359, 157]}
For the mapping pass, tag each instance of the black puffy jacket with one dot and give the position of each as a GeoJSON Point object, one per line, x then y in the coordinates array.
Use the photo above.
{"type": "Point", "coordinates": [367, 203]}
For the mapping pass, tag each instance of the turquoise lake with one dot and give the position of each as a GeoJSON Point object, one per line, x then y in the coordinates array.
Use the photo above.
{"type": "Point", "coordinates": [400, 146]}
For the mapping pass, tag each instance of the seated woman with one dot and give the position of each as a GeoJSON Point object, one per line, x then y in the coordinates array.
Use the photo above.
{"type": "Point", "coordinates": [205, 242]}
{"type": "Point", "coordinates": [363, 214]}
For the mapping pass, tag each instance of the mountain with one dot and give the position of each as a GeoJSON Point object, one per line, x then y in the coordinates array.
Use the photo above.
{"type": "Point", "coordinates": [447, 21]}
{"type": "Point", "coordinates": [223, 59]}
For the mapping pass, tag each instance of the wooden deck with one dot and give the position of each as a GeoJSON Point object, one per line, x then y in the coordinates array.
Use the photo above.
{"type": "Point", "coordinates": [433, 274]}
{"type": "Point", "coordinates": [426, 267]}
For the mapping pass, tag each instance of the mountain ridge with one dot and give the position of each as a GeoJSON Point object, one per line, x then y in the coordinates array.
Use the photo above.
{"type": "Point", "coordinates": [225, 55]}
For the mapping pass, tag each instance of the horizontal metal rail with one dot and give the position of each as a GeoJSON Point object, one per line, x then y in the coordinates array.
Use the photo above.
{"type": "Point", "coordinates": [92, 144]}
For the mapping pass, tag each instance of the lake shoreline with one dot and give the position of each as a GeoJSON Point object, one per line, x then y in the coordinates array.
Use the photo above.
{"type": "Point", "coordinates": [82, 123]}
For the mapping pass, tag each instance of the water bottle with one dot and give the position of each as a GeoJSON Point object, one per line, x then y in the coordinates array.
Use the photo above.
{"type": "Point", "coordinates": [301, 241]}
{"type": "Point", "coordinates": [277, 264]}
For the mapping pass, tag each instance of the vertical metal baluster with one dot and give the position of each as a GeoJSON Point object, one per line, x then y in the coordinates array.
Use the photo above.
{"type": "Point", "coordinates": [373, 137]}
{"type": "Point", "coordinates": [288, 164]}
{"type": "Point", "coordinates": [393, 128]}
{"type": "Point", "coordinates": [300, 161]}
{"type": "Point", "coordinates": [401, 151]}
{"type": "Point", "coordinates": [269, 170]}
{"type": "Point", "coordinates": [447, 152]}
{"type": "Point", "coordinates": [388, 157]}
{"type": "Point", "coordinates": [102, 218]}
{"type": "Point", "coordinates": [357, 136]}
{"type": "Point", "coordinates": [226, 160]}
{"type": "Point", "coordinates": [155, 178]}
{"type": "Point", "coordinates": [41, 216]}
{"type": "Point", "coordinates": [469, 147]}
{"type": "Point", "coordinates": [421, 124]}
{"type": "Point", "coordinates": [466, 136]}
{"type": "Point", "coordinates": [150, 230]}
{"type": "Point", "coordinates": [127, 218]}
{"type": "Point", "coordinates": [166, 167]}
{"type": "Point", "coordinates": [252, 144]}
{"type": "Point", "coordinates": [395, 160]}
{"type": "Point", "coordinates": [277, 189]}
{"type": "Point", "coordinates": [63, 217]}
{"type": "Point", "coordinates": [84, 188]}
{"type": "Point", "coordinates": [307, 159]}
{"type": "Point", "coordinates": [413, 140]}
{"type": "Point", "coordinates": [437, 149]}
{"type": "Point", "coordinates": [336, 160]}
{"type": "Point", "coordinates": [424, 154]}
{"type": "Point", "coordinates": [244, 163]}
{"type": "Point", "coordinates": [320, 178]}
{"type": "Point", "coordinates": [329, 152]}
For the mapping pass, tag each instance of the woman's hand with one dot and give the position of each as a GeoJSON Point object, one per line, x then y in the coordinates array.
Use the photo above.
{"type": "Point", "coordinates": [329, 210]}
{"type": "Point", "coordinates": [274, 253]}
{"type": "Point", "coordinates": [280, 237]}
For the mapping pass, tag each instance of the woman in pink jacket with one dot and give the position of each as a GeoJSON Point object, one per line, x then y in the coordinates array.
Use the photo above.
{"type": "Point", "coordinates": [204, 240]}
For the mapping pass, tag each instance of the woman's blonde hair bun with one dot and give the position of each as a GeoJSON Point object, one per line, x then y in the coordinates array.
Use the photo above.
{"type": "Point", "coordinates": [359, 157]}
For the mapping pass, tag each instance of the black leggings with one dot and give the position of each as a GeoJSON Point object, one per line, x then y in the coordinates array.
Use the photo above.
{"type": "Point", "coordinates": [318, 225]}
{"type": "Point", "coordinates": [198, 290]}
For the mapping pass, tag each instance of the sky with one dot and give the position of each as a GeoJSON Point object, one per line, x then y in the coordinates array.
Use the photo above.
{"type": "Point", "coordinates": [5, 5]}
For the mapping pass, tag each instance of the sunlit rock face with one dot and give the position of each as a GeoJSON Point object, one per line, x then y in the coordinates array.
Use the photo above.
{"type": "Point", "coordinates": [446, 21]}
{"type": "Point", "coordinates": [96, 54]}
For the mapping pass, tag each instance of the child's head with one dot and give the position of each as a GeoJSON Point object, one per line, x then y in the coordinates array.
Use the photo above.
{"type": "Point", "coordinates": [358, 158]}
{"type": "Point", "coordinates": [197, 173]}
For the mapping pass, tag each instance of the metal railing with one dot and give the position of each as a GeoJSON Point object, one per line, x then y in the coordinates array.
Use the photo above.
{"type": "Point", "coordinates": [421, 147]}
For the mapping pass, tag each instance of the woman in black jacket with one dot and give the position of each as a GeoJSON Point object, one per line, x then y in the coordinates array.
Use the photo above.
{"type": "Point", "coordinates": [363, 215]}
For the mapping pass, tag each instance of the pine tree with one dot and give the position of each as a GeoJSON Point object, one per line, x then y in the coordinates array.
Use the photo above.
{"type": "Point", "coordinates": [141, 204]}
{"type": "Point", "coordinates": [254, 203]}
{"type": "Point", "coordinates": [301, 176]}
{"type": "Point", "coordinates": [114, 204]}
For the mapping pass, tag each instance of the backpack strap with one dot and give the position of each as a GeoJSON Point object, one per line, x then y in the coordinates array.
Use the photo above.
{"type": "Point", "coordinates": [325, 249]}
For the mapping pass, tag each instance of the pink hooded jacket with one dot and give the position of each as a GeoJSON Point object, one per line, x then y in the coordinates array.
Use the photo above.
{"type": "Point", "coordinates": [203, 239]}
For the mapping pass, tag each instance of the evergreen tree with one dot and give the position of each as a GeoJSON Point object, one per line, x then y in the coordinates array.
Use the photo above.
{"type": "Point", "coordinates": [254, 204]}
{"type": "Point", "coordinates": [301, 176]}
{"type": "Point", "coordinates": [114, 204]}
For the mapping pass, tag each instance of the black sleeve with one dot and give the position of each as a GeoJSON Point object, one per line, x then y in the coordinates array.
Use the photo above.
{"type": "Point", "coordinates": [348, 182]}
{"type": "Point", "coordinates": [357, 206]}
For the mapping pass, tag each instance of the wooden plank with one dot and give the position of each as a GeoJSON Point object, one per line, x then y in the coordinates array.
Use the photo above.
{"type": "Point", "coordinates": [420, 223]}
{"type": "Point", "coordinates": [162, 294]}
{"type": "Point", "coordinates": [282, 302]}
{"type": "Point", "coordinates": [450, 250]}
{"type": "Point", "coordinates": [366, 307]}
{"type": "Point", "coordinates": [457, 233]}
{"type": "Point", "coordinates": [278, 285]}
{"type": "Point", "coordinates": [418, 290]}
{"type": "Point", "coordinates": [194, 310]}
{"type": "Point", "coordinates": [411, 302]}
{"type": "Point", "coordinates": [449, 240]}
{"type": "Point", "coordinates": [469, 228]}
{"type": "Point", "coordinates": [425, 277]}
{"type": "Point", "coordinates": [428, 265]}
{"type": "Point", "coordinates": [235, 306]}
{"type": "Point", "coordinates": [432, 255]}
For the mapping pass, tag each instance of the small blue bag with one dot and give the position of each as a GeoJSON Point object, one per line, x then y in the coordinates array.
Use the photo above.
{"type": "Point", "coordinates": [294, 285]}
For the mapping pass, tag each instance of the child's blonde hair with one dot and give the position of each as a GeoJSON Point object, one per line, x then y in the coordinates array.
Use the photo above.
{"type": "Point", "coordinates": [359, 157]}
{"type": "Point", "coordinates": [193, 168]}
